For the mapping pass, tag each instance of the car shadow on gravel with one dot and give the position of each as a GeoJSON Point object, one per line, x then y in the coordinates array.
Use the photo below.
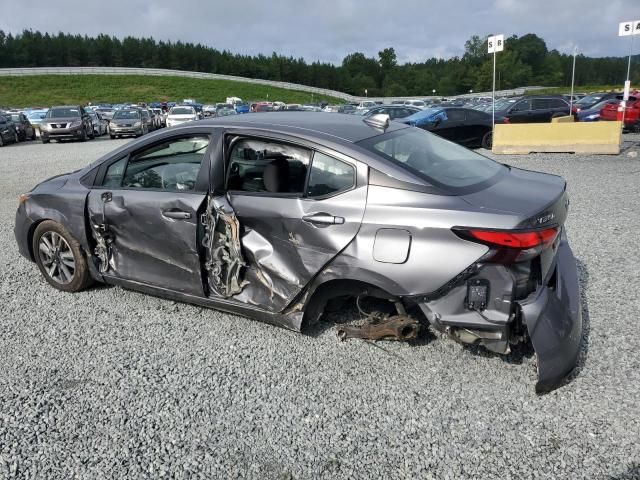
{"type": "Point", "coordinates": [583, 277]}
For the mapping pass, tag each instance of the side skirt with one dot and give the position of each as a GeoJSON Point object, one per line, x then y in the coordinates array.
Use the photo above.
{"type": "Point", "coordinates": [291, 322]}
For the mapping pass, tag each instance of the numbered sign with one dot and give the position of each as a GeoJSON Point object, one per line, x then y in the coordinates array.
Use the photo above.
{"type": "Point", "coordinates": [495, 43]}
{"type": "Point", "coordinates": [629, 28]}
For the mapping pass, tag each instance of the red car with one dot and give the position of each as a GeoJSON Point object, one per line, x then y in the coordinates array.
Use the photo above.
{"type": "Point", "coordinates": [631, 114]}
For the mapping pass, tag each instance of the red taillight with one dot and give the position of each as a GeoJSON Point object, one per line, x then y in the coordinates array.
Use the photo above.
{"type": "Point", "coordinates": [511, 246]}
{"type": "Point", "coordinates": [506, 120]}
{"type": "Point", "coordinates": [520, 240]}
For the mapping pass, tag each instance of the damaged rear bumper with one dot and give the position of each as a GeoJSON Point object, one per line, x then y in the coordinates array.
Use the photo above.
{"type": "Point", "coordinates": [553, 317]}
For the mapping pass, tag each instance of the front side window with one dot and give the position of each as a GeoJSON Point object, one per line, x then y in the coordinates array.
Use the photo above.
{"type": "Point", "coordinates": [267, 166]}
{"type": "Point", "coordinates": [329, 176]}
{"type": "Point", "coordinates": [172, 165]}
{"type": "Point", "coordinates": [441, 163]}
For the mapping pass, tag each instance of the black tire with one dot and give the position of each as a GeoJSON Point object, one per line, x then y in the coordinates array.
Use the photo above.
{"type": "Point", "coordinates": [92, 135]}
{"type": "Point", "coordinates": [33, 134]}
{"type": "Point", "coordinates": [44, 140]}
{"type": "Point", "coordinates": [1, 141]}
{"type": "Point", "coordinates": [59, 258]}
{"type": "Point", "coordinates": [487, 140]}
{"type": "Point", "coordinates": [85, 136]}
{"type": "Point", "coordinates": [112, 136]}
{"type": "Point", "coordinates": [16, 138]}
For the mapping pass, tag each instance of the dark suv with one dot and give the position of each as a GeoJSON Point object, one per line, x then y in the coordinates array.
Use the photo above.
{"type": "Point", "coordinates": [531, 109]}
{"type": "Point", "coordinates": [66, 123]}
{"type": "Point", "coordinates": [23, 126]}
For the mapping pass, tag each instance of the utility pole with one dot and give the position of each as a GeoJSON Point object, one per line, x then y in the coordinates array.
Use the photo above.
{"type": "Point", "coordinates": [573, 77]}
{"type": "Point", "coordinates": [495, 44]}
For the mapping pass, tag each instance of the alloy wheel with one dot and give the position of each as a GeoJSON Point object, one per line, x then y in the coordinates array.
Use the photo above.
{"type": "Point", "coordinates": [57, 257]}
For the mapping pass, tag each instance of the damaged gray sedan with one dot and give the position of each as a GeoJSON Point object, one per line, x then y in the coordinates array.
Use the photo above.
{"type": "Point", "coordinates": [280, 215]}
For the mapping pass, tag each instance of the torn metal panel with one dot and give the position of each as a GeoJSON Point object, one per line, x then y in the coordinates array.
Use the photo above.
{"type": "Point", "coordinates": [103, 248]}
{"type": "Point", "coordinates": [224, 261]}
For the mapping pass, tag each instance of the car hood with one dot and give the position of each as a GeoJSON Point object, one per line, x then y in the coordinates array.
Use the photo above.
{"type": "Point", "coordinates": [181, 117]}
{"type": "Point", "coordinates": [529, 195]}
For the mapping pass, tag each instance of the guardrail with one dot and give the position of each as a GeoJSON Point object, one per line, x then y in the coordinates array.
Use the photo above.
{"type": "Point", "coordinates": [159, 72]}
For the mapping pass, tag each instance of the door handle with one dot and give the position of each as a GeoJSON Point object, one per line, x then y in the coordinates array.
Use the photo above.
{"type": "Point", "coordinates": [176, 214]}
{"type": "Point", "coordinates": [323, 219]}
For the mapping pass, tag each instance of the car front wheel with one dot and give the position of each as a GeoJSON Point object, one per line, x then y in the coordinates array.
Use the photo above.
{"type": "Point", "coordinates": [59, 257]}
{"type": "Point", "coordinates": [487, 140]}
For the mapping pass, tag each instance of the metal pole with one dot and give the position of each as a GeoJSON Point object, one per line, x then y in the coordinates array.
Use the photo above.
{"type": "Point", "coordinates": [573, 76]}
{"type": "Point", "coordinates": [624, 110]}
{"type": "Point", "coordinates": [493, 104]}
{"type": "Point", "coordinates": [630, 53]}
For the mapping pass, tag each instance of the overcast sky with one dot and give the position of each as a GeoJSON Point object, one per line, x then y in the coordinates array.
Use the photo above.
{"type": "Point", "coordinates": [327, 30]}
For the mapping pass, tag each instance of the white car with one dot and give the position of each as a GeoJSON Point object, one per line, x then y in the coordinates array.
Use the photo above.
{"type": "Point", "coordinates": [365, 105]}
{"type": "Point", "coordinates": [416, 103]}
{"type": "Point", "coordinates": [181, 114]}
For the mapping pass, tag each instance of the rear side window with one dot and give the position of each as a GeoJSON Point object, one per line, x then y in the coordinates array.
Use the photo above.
{"type": "Point", "coordinates": [558, 103]}
{"type": "Point", "coordinates": [172, 165]}
{"type": "Point", "coordinates": [542, 103]}
{"type": "Point", "coordinates": [329, 176]}
{"type": "Point", "coordinates": [267, 166]}
{"type": "Point", "coordinates": [522, 106]}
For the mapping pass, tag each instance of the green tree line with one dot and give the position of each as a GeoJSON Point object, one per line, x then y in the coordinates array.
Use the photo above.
{"type": "Point", "coordinates": [526, 60]}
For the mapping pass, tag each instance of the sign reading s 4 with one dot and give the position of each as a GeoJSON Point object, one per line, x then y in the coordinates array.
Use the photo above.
{"type": "Point", "coordinates": [495, 43]}
{"type": "Point", "coordinates": [629, 28]}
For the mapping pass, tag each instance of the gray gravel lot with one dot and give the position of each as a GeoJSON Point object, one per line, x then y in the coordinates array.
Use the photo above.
{"type": "Point", "coordinates": [110, 383]}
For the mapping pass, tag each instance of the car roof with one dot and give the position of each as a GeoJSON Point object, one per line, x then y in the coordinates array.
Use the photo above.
{"type": "Point", "coordinates": [348, 128]}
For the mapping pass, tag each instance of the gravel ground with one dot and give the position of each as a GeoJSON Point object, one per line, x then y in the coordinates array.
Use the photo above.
{"type": "Point", "coordinates": [111, 383]}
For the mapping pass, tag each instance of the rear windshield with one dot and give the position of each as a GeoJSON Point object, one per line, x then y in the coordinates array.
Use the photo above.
{"type": "Point", "coordinates": [590, 99]}
{"type": "Point", "coordinates": [126, 115]}
{"type": "Point", "coordinates": [441, 163]}
{"type": "Point", "coordinates": [63, 112]}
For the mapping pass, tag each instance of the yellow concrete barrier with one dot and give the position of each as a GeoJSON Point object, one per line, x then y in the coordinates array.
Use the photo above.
{"type": "Point", "coordinates": [578, 137]}
{"type": "Point", "coordinates": [566, 119]}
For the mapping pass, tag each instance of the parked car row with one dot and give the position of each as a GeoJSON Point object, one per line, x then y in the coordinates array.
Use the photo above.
{"type": "Point", "coordinates": [15, 127]}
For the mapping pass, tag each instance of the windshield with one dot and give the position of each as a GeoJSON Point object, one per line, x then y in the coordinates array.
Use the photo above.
{"type": "Point", "coordinates": [126, 115]}
{"type": "Point", "coordinates": [441, 163]}
{"type": "Point", "coordinates": [63, 112]}
{"type": "Point", "coordinates": [36, 115]}
{"type": "Point", "coordinates": [182, 111]}
{"type": "Point", "coordinates": [504, 103]}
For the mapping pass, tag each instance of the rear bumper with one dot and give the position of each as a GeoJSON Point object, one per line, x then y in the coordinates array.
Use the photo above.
{"type": "Point", "coordinates": [553, 316]}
